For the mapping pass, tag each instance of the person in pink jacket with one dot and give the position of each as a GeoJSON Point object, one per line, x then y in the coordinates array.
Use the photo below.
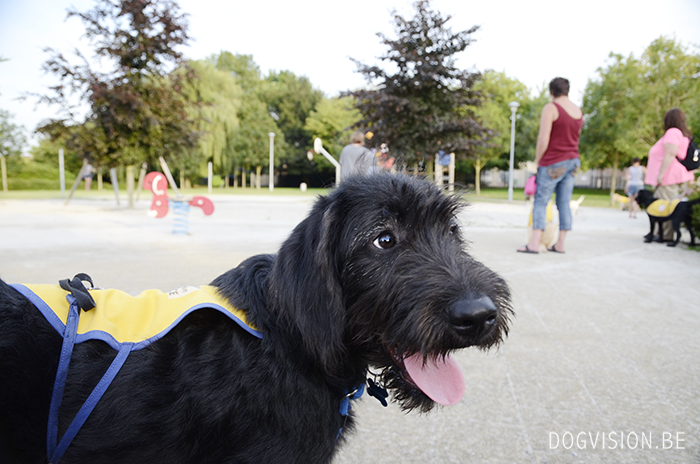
{"type": "Point", "coordinates": [664, 172]}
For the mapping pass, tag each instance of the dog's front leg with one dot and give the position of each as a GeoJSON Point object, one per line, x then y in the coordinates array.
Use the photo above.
{"type": "Point", "coordinates": [689, 226]}
{"type": "Point", "coordinates": [677, 230]}
{"type": "Point", "coordinates": [659, 238]}
{"type": "Point", "coordinates": [648, 237]}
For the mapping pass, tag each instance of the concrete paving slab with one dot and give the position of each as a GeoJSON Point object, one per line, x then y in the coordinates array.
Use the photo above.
{"type": "Point", "coordinates": [602, 364]}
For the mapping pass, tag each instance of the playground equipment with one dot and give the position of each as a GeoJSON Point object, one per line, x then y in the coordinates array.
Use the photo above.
{"type": "Point", "coordinates": [318, 148]}
{"type": "Point", "coordinates": [444, 160]}
{"type": "Point", "coordinates": [85, 170]}
{"type": "Point", "coordinates": [157, 182]}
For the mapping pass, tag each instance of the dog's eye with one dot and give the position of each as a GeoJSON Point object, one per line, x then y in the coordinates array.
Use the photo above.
{"type": "Point", "coordinates": [454, 229]}
{"type": "Point", "coordinates": [385, 240]}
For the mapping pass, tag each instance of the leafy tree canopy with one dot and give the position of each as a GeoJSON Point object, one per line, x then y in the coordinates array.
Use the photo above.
{"type": "Point", "coordinates": [250, 141]}
{"type": "Point", "coordinates": [242, 67]}
{"type": "Point", "coordinates": [290, 99]}
{"type": "Point", "coordinates": [219, 100]}
{"type": "Point", "coordinates": [421, 101]}
{"type": "Point", "coordinates": [498, 91]}
{"type": "Point", "coordinates": [12, 138]}
{"type": "Point", "coordinates": [332, 121]}
{"type": "Point", "coordinates": [136, 109]}
{"type": "Point", "coordinates": [494, 114]}
{"type": "Point", "coordinates": [625, 105]}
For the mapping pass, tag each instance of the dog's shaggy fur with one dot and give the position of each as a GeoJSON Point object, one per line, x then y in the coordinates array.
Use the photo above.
{"type": "Point", "coordinates": [376, 272]}
{"type": "Point", "coordinates": [681, 215]}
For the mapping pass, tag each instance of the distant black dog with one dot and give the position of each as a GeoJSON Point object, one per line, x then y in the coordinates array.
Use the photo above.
{"type": "Point", "coordinates": [373, 286]}
{"type": "Point", "coordinates": [658, 214]}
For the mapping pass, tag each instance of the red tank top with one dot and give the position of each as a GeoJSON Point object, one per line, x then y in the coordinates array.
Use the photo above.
{"type": "Point", "coordinates": [563, 140]}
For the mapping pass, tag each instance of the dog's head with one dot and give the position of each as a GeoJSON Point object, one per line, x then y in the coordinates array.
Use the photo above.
{"type": "Point", "coordinates": [644, 198]}
{"type": "Point", "coordinates": [378, 275]}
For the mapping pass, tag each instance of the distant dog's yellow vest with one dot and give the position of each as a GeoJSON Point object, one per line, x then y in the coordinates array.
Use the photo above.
{"type": "Point", "coordinates": [549, 212]}
{"type": "Point", "coordinates": [120, 318]}
{"type": "Point", "coordinates": [662, 208]}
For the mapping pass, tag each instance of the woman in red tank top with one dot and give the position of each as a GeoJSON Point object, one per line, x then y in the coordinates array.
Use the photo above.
{"type": "Point", "coordinates": [564, 135]}
{"type": "Point", "coordinates": [557, 159]}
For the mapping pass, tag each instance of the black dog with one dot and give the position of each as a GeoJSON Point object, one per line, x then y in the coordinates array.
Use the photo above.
{"type": "Point", "coordinates": [682, 213]}
{"type": "Point", "coordinates": [376, 276]}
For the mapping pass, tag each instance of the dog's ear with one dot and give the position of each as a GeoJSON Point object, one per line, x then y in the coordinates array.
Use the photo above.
{"type": "Point", "coordinates": [305, 286]}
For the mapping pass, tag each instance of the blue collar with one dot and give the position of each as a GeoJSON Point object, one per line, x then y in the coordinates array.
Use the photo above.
{"type": "Point", "coordinates": [345, 403]}
{"type": "Point", "coordinates": [373, 389]}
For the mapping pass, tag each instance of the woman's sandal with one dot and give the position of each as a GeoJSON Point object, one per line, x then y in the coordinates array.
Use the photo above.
{"type": "Point", "coordinates": [528, 250]}
{"type": "Point", "coordinates": [554, 250]}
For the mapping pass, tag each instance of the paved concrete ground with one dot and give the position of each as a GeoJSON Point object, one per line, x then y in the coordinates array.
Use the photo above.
{"type": "Point", "coordinates": [602, 364]}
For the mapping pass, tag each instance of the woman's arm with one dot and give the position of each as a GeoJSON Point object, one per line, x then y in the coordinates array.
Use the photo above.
{"type": "Point", "coordinates": [670, 152]}
{"type": "Point", "coordinates": [549, 115]}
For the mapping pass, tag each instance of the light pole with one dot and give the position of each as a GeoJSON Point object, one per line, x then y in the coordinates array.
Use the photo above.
{"type": "Point", "coordinates": [272, 160]}
{"type": "Point", "coordinates": [513, 109]}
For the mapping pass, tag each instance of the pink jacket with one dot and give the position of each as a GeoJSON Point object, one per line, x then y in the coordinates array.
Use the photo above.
{"type": "Point", "coordinates": [676, 173]}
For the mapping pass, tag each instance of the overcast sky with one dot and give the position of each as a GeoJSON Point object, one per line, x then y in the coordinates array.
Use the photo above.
{"type": "Point", "coordinates": [532, 41]}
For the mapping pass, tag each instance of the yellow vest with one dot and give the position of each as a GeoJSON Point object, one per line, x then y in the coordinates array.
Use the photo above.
{"type": "Point", "coordinates": [662, 208]}
{"type": "Point", "coordinates": [121, 318]}
{"type": "Point", "coordinates": [549, 215]}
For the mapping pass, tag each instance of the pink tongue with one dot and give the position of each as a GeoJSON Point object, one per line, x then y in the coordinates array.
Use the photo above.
{"type": "Point", "coordinates": [441, 380]}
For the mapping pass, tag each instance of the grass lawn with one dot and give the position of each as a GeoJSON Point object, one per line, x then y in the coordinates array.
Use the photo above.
{"type": "Point", "coordinates": [597, 198]}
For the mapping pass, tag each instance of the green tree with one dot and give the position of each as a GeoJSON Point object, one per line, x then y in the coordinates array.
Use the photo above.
{"type": "Point", "coordinates": [332, 121]}
{"type": "Point", "coordinates": [243, 69]}
{"type": "Point", "coordinates": [672, 79]}
{"type": "Point", "coordinates": [12, 141]}
{"type": "Point", "coordinates": [251, 141]}
{"type": "Point", "coordinates": [137, 110]}
{"type": "Point", "coordinates": [494, 114]}
{"type": "Point", "coordinates": [612, 134]}
{"type": "Point", "coordinates": [625, 105]}
{"type": "Point", "coordinates": [12, 138]}
{"type": "Point", "coordinates": [219, 99]}
{"type": "Point", "coordinates": [46, 152]}
{"type": "Point", "coordinates": [421, 100]}
{"type": "Point", "coordinates": [528, 124]}
{"type": "Point", "coordinates": [290, 99]}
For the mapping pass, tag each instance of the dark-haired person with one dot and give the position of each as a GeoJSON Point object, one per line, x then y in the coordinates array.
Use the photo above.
{"type": "Point", "coordinates": [557, 159]}
{"type": "Point", "coordinates": [664, 172]}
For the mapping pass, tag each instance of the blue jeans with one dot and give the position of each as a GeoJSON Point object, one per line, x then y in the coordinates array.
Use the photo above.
{"type": "Point", "coordinates": [559, 178]}
{"type": "Point", "coordinates": [634, 189]}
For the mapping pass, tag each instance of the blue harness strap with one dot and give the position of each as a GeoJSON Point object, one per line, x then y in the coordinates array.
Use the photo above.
{"type": "Point", "coordinates": [79, 298]}
{"type": "Point", "coordinates": [89, 405]}
{"type": "Point", "coordinates": [61, 374]}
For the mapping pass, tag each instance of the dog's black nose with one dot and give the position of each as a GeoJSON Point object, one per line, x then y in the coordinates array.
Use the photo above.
{"type": "Point", "coordinates": [473, 314]}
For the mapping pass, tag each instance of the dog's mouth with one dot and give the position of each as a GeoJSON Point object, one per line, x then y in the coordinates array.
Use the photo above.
{"type": "Point", "coordinates": [440, 379]}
